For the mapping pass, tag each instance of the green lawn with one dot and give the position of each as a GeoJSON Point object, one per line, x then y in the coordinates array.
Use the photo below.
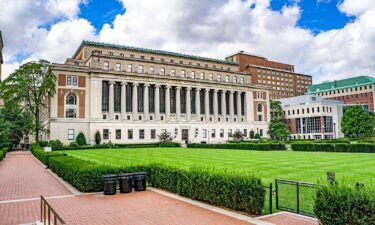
{"type": "Point", "coordinates": [301, 166]}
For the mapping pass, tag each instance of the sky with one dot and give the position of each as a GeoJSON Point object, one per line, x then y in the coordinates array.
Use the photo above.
{"type": "Point", "coordinates": [328, 39]}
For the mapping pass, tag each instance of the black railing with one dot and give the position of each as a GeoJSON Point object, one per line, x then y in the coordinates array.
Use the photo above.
{"type": "Point", "coordinates": [269, 197]}
{"type": "Point", "coordinates": [296, 197]}
{"type": "Point", "coordinates": [47, 212]}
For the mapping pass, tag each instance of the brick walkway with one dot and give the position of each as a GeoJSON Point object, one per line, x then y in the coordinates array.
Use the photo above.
{"type": "Point", "coordinates": [285, 218]}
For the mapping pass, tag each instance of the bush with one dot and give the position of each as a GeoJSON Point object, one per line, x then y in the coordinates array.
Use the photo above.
{"type": "Point", "coordinates": [340, 147]}
{"type": "Point", "coordinates": [240, 146]}
{"type": "Point", "coordinates": [81, 139]}
{"type": "Point", "coordinates": [43, 143]}
{"type": "Point", "coordinates": [1, 155]}
{"type": "Point", "coordinates": [224, 188]}
{"type": "Point", "coordinates": [3, 152]}
{"type": "Point", "coordinates": [169, 144]}
{"type": "Point", "coordinates": [98, 137]}
{"type": "Point", "coordinates": [43, 156]}
{"type": "Point", "coordinates": [337, 205]}
{"type": "Point", "coordinates": [55, 143]}
{"type": "Point", "coordinates": [146, 145]}
{"type": "Point", "coordinates": [73, 144]}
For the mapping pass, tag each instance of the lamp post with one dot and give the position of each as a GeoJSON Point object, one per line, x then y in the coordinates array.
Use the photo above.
{"type": "Point", "coordinates": [323, 132]}
{"type": "Point", "coordinates": [334, 130]}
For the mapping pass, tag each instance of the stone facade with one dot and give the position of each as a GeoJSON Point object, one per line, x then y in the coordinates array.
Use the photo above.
{"type": "Point", "coordinates": [132, 95]}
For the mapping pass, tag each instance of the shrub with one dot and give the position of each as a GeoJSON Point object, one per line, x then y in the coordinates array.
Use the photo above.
{"type": "Point", "coordinates": [338, 204]}
{"type": "Point", "coordinates": [98, 137]}
{"type": "Point", "coordinates": [165, 137]}
{"type": "Point", "coordinates": [238, 135]}
{"type": "Point", "coordinates": [224, 188]}
{"type": "Point", "coordinates": [169, 144]}
{"type": "Point", "coordinates": [81, 139]}
{"type": "Point", "coordinates": [145, 145]}
{"type": "Point", "coordinates": [73, 144]}
{"type": "Point", "coordinates": [241, 146]}
{"type": "Point", "coordinates": [257, 136]}
{"type": "Point", "coordinates": [43, 143]}
{"type": "Point", "coordinates": [43, 156]}
{"type": "Point", "coordinates": [55, 143]}
{"type": "Point", "coordinates": [3, 152]}
{"type": "Point", "coordinates": [339, 147]}
{"type": "Point", "coordinates": [252, 134]}
{"type": "Point", "coordinates": [1, 155]}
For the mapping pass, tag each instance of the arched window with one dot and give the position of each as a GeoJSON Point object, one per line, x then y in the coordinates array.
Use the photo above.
{"type": "Point", "coordinates": [71, 106]}
{"type": "Point", "coordinates": [260, 108]}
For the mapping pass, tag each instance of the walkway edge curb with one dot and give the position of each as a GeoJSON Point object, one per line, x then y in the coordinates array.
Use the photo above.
{"type": "Point", "coordinates": [211, 208]}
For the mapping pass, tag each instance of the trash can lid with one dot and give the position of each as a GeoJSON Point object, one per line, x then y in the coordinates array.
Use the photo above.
{"type": "Point", "coordinates": [139, 174]}
{"type": "Point", "coordinates": [110, 176]}
{"type": "Point", "coordinates": [125, 175]}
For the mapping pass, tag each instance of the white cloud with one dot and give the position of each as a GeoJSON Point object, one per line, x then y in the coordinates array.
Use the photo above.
{"type": "Point", "coordinates": [213, 28]}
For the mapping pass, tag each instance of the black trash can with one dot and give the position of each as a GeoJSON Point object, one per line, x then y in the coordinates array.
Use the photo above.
{"type": "Point", "coordinates": [126, 182]}
{"type": "Point", "coordinates": [139, 180]}
{"type": "Point", "coordinates": [110, 184]}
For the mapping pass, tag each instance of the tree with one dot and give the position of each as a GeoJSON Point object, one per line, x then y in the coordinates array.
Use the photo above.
{"type": "Point", "coordinates": [165, 137]}
{"type": "Point", "coordinates": [252, 134]}
{"type": "Point", "coordinates": [277, 129]}
{"type": "Point", "coordinates": [98, 137]}
{"type": "Point", "coordinates": [30, 86]}
{"type": "Point", "coordinates": [81, 139]}
{"type": "Point", "coordinates": [238, 135]}
{"type": "Point", "coordinates": [356, 122]}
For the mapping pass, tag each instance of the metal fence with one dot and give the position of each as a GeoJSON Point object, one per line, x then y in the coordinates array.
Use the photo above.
{"type": "Point", "coordinates": [296, 197]}
{"type": "Point", "coordinates": [48, 215]}
{"type": "Point", "coordinates": [269, 198]}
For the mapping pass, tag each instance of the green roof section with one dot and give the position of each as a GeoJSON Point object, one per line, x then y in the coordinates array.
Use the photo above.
{"type": "Point", "coordinates": [150, 51]}
{"type": "Point", "coordinates": [339, 84]}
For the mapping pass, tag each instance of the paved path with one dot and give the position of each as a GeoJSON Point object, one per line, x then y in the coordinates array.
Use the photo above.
{"type": "Point", "coordinates": [285, 218]}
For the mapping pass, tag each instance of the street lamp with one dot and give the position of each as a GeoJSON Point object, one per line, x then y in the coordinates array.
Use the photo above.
{"type": "Point", "coordinates": [334, 130]}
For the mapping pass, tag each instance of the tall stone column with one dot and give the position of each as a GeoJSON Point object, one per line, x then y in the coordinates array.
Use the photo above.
{"type": "Point", "coordinates": [239, 107]}
{"type": "Point", "coordinates": [157, 102]}
{"type": "Point", "coordinates": [135, 102]}
{"type": "Point", "coordinates": [188, 104]}
{"type": "Point", "coordinates": [123, 101]}
{"type": "Point", "coordinates": [111, 101]}
{"type": "Point", "coordinates": [207, 104]}
{"type": "Point", "coordinates": [197, 104]}
{"type": "Point", "coordinates": [216, 107]}
{"type": "Point", "coordinates": [178, 103]}
{"type": "Point", "coordinates": [168, 103]}
{"type": "Point", "coordinates": [223, 105]}
{"type": "Point", "coordinates": [145, 102]}
{"type": "Point", "coordinates": [231, 106]}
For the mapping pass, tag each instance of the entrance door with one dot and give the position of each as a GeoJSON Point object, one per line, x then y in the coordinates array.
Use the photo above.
{"type": "Point", "coordinates": [185, 135]}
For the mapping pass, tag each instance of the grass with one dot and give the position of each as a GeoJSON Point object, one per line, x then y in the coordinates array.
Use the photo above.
{"type": "Point", "coordinates": [299, 166]}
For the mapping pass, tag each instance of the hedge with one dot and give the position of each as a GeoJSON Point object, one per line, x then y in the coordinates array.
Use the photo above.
{"type": "Point", "coordinates": [43, 156]}
{"type": "Point", "coordinates": [363, 148]}
{"type": "Point", "coordinates": [223, 188]}
{"type": "Point", "coordinates": [338, 205]}
{"type": "Point", "coordinates": [3, 152]}
{"type": "Point", "coordinates": [242, 146]}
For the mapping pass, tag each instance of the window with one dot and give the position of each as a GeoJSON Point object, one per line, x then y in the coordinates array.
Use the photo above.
{"type": "Point", "coordinates": [130, 68]}
{"type": "Point", "coordinates": [211, 76]}
{"type": "Point", "coordinates": [118, 134]}
{"type": "Point", "coordinates": [227, 78]}
{"type": "Point", "coordinates": [260, 118]}
{"type": "Point", "coordinates": [153, 133]}
{"type": "Point", "coordinates": [204, 133]}
{"type": "Point", "coordinates": [235, 79]}
{"type": "Point", "coordinates": [202, 76]}
{"type": "Point", "coordinates": [213, 133]}
{"type": "Point", "coordinates": [162, 71]}
{"type": "Point", "coordinates": [106, 65]}
{"type": "Point", "coordinates": [183, 73]}
{"type": "Point", "coordinates": [105, 134]}
{"type": "Point", "coordinates": [140, 69]}
{"type": "Point", "coordinates": [71, 106]}
{"type": "Point", "coordinates": [152, 70]}
{"type": "Point", "coordinates": [260, 108]}
{"type": "Point", "coordinates": [221, 133]}
{"type": "Point", "coordinates": [219, 77]}
{"type": "Point", "coordinates": [173, 72]}
{"type": "Point", "coordinates": [141, 134]}
{"type": "Point", "coordinates": [70, 134]}
{"type": "Point", "coordinates": [72, 80]}
{"type": "Point", "coordinates": [192, 74]}
{"type": "Point", "coordinates": [242, 80]}
{"type": "Point", "coordinates": [130, 134]}
{"type": "Point", "coordinates": [230, 134]}
{"type": "Point", "coordinates": [118, 66]}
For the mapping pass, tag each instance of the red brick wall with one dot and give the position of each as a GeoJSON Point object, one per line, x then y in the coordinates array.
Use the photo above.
{"type": "Point", "coordinates": [61, 101]}
{"type": "Point", "coordinates": [244, 60]}
{"type": "Point", "coordinates": [358, 99]}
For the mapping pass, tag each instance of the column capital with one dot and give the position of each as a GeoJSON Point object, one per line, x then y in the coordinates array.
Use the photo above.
{"type": "Point", "coordinates": [207, 90]}
{"type": "Point", "coordinates": [111, 82]}
{"type": "Point", "coordinates": [157, 85]}
{"type": "Point", "coordinates": [231, 92]}
{"type": "Point", "coordinates": [135, 84]}
{"type": "Point", "coordinates": [168, 86]}
{"type": "Point", "coordinates": [215, 90]}
{"type": "Point", "coordinates": [124, 83]}
{"type": "Point", "coordinates": [198, 89]}
{"type": "Point", "coordinates": [188, 88]}
{"type": "Point", "coordinates": [146, 85]}
{"type": "Point", "coordinates": [178, 87]}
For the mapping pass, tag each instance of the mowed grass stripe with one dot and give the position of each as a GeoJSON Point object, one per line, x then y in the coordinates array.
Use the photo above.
{"type": "Point", "coordinates": [303, 166]}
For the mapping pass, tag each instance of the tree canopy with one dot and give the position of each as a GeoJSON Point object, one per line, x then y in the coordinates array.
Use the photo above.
{"type": "Point", "coordinates": [278, 130]}
{"type": "Point", "coordinates": [30, 87]}
{"type": "Point", "coordinates": [356, 122]}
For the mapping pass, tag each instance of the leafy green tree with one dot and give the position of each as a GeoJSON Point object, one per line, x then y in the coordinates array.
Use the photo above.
{"type": "Point", "coordinates": [31, 86]}
{"type": "Point", "coordinates": [257, 136]}
{"type": "Point", "coordinates": [278, 130]}
{"type": "Point", "coordinates": [98, 137]}
{"type": "Point", "coordinates": [238, 135]}
{"type": "Point", "coordinates": [356, 122]}
{"type": "Point", "coordinates": [81, 139]}
{"type": "Point", "coordinates": [252, 134]}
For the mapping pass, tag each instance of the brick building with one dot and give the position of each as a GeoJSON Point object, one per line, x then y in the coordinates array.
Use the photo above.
{"type": "Point", "coordinates": [313, 117]}
{"type": "Point", "coordinates": [353, 91]}
{"type": "Point", "coordinates": [280, 77]}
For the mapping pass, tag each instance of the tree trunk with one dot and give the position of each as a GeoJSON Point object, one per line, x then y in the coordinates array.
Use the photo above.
{"type": "Point", "coordinates": [37, 128]}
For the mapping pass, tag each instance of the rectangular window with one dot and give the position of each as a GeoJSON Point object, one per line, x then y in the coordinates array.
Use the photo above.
{"type": "Point", "coordinates": [141, 134]}
{"type": "Point", "coordinates": [130, 68]}
{"type": "Point", "coordinates": [105, 96]}
{"type": "Point", "coordinates": [204, 133]}
{"type": "Point", "coordinates": [69, 80]}
{"type": "Point", "coordinates": [211, 76]}
{"type": "Point", "coordinates": [162, 71]}
{"type": "Point", "coordinates": [152, 70]}
{"type": "Point", "coordinates": [118, 134]}
{"type": "Point", "coordinates": [183, 73]}
{"type": "Point", "coordinates": [192, 74]}
{"type": "Point", "coordinates": [105, 134]}
{"type": "Point", "coordinates": [117, 96]}
{"type": "Point", "coordinates": [173, 72]}
{"type": "Point", "coordinates": [230, 134]}
{"type": "Point", "coordinates": [106, 65]}
{"type": "Point", "coordinates": [213, 133]}
{"type": "Point", "coordinates": [202, 76]}
{"type": "Point", "coordinates": [221, 133]}
{"type": "Point", "coordinates": [130, 134]}
{"type": "Point", "coordinates": [74, 81]}
{"type": "Point", "coordinates": [118, 66]}
{"type": "Point", "coordinates": [70, 134]}
{"type": "Point", "coordinates": [140, 98]}
{"type": "Point", "coordinates": [153, 133]}
{"type": "Point", "coordinates": [140, 69]}
{"type": "Point", "coordinates": [219, 77]}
